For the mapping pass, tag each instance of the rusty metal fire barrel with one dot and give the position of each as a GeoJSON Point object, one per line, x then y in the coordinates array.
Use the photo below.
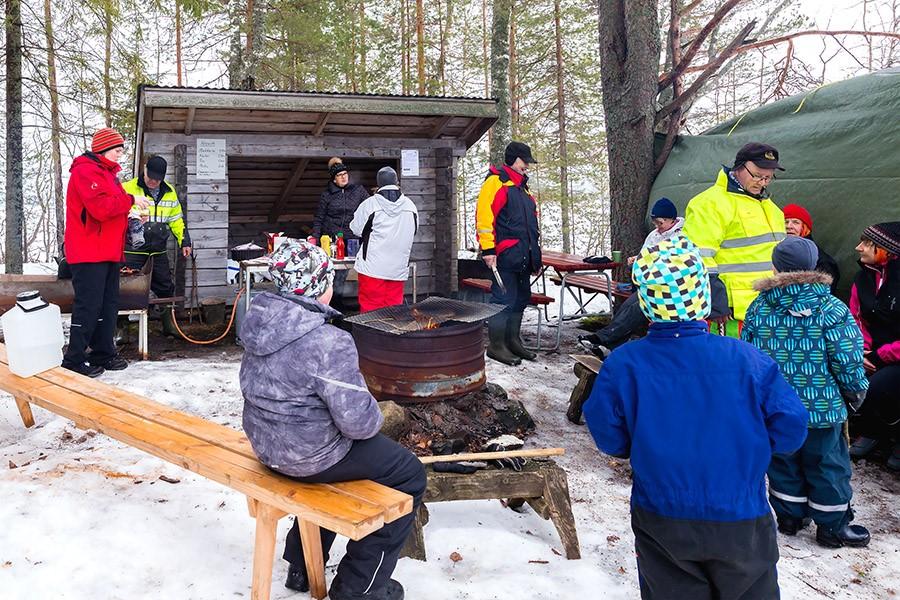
{"type": "Point", "coordinates": [422, 366]}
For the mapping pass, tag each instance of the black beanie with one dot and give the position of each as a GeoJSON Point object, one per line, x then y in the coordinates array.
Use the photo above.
{"type": "Point", "coordinates": [386, 176]}
{"type": "Point", "coordinates": [886, 235]}
{"type": "Point", "coordinates": [336, 169]}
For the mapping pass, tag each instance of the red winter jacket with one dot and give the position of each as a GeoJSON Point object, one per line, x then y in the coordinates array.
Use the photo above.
{"type": "Point", "coordinates": [96, 211]}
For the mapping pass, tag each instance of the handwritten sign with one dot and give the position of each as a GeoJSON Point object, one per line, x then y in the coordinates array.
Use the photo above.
{"type": "Point", "coordinates": [409, 163]}
{"type": "Point", "coordinates": [211, 160]}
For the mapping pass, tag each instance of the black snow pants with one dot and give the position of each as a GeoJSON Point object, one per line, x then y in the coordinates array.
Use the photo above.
{"type": "Point", "coordinates": [94, 312]}
{"type": "Point", "coordinates": [705, 560]}
{"type": "Point", "coordinates": [369, 562]}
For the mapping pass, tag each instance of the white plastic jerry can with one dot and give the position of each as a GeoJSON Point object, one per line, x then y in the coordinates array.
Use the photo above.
{"type": "Point", "coordinates": [34, 335]}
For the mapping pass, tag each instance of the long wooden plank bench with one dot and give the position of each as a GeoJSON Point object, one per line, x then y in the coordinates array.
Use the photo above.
{"type": "Point", "coordinates": [595, 285]}
{"type": "Point", "coordinates": [353, 509]}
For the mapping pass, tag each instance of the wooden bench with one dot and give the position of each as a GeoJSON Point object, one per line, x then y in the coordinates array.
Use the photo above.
{"type": "Point", "coordinates": [484, 286]}
{"type": "Point", "coordinates": [593, 284]}
{"type": "Point", "coordinates": [541, 483]}
{"type": "Point", "coordinates": [353, 509]}
{"type": "Point", "coordinates": [586, 368]}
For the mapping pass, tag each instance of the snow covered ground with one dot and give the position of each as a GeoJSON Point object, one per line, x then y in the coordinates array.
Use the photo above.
{"type": "Point", "coordinates": [86, 518]}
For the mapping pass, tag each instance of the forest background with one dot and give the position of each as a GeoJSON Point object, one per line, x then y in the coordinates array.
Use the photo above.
{"type": "Point", "coordinates": [80, 62]}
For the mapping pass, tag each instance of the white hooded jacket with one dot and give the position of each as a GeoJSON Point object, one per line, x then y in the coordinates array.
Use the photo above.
{"type": "Point", "coordinates": [386, 230]}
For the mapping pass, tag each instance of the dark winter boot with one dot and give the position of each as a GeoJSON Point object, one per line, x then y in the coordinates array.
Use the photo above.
{"type": "Point", "coordinates": [855, 536]}
{"type": "Point", "coordinates": [168, 323]}
{"type": "Point", "coordinates": [791, 525]}
{"type": "Point", "coordinates": [392, 590]}
{"type": "Point", "coordinates": [514, 337]}
{"type": "Point", "coordinates": [497, 334]}
{"type": "Point", "coordinates": [862, 447]}
{"type": "Point", "coordinates": [297, 579]}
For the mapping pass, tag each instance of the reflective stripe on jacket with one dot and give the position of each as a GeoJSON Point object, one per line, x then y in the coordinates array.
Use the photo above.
{"type": "Point", "coordinates": [165, 216]}
{"type": "Point", "coordinates": [736, 234]}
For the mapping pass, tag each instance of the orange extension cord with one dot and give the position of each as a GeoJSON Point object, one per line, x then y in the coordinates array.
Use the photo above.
{"type": "Point", "coordinates": [224, 333]}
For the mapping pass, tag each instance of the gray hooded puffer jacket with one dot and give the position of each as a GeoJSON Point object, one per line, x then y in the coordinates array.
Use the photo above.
{"type": "Point", "coordinates": [305, 400]}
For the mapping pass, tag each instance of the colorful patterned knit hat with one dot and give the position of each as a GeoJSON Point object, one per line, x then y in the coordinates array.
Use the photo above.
{"type": "Point", "coordinates": [886, 235]}
{"type": "Point", "coordinates": [301, 268]}
{"type": "Point", "coordinates": [672, 282]}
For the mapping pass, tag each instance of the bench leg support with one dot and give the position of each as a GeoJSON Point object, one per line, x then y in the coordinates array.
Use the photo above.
{"type": "Point", "coordinates": [264, 552]}
{"type": "Point", "coordinates": [25, 411]}
{"type": "Point", "coordinates": [559, 507]}
{"type": "Point", "coordinates": [143, 335]}
{"type": "Point", "coordinates": [580, 393]}
{"type": "Point", "coordinates": [311, 538]}
{"type": "Point", "coordinates": [415, 544]}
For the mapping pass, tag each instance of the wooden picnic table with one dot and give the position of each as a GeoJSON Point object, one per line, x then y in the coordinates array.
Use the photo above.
{"type": "Point", "coordinates": [564, 265]}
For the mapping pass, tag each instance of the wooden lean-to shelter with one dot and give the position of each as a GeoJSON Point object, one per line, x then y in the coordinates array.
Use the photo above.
{"type": "Point", "coordinates": [263, 164]}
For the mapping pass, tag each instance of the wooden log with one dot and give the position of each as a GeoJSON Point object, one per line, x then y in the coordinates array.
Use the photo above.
{"type": "Point", "coordinates": [580, 392]}
{"type": "Point", "coordinates": [415, 544]}
{"type": "Point", "coordinates": [556, 494]}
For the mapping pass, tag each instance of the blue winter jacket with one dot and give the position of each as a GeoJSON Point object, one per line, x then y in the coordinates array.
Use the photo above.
{"type": "Point", "coordinates": [700, 416]}
{"type": "Point", "coordinates": [812, 337]}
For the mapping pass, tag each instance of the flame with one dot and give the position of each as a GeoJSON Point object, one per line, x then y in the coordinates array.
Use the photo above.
{"type": "Point", "coordinates": [424, 321]}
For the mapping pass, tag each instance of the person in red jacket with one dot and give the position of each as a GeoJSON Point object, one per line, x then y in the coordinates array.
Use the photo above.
{"type": "Point", "coordinates": [96, 218]}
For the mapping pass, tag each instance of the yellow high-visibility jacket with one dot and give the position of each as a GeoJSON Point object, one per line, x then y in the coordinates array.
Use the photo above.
{"type": "Point", "coordinates": [165, 216]}
{"type": "Point", "coordinates": [736, 234]}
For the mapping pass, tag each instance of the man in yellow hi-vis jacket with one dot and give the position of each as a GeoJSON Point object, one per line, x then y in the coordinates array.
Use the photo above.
{"type": "Point", "coordinates": [736, 226]}
{"type": "Point", "coordinates": [165, 217]}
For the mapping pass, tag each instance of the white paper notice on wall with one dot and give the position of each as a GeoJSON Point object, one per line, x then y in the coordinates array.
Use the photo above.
{"type": "Point", "coordinates": [211, 161]}
{"type": "Point", "coordinates": [409, 163]}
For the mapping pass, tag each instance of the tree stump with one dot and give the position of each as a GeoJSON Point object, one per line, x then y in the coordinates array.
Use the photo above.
{"type": "Point", "coordinates": [586, 368]}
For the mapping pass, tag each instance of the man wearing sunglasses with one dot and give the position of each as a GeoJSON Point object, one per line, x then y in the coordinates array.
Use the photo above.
{"type": "Point", "coordinates": [736, 226]}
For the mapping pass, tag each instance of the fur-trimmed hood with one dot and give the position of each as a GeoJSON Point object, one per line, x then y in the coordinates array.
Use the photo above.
{"type": "Point", "coordinates": [780, 280]}
{"type": "Point", "coordinates": [797, 293]}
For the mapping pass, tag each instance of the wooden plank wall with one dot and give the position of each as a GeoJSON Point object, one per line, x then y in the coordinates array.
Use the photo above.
{"type": "Point", "coordinates": [432, 192]}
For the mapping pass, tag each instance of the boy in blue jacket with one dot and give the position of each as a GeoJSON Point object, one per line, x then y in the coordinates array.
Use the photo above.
{"type": "Point", "coordinates": [819, 349]}
{"type": "Point", "coordinates": [699, 416]}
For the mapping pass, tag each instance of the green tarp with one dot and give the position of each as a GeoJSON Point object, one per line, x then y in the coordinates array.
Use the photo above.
{"type": "Point", "coordinates": [840, 144]}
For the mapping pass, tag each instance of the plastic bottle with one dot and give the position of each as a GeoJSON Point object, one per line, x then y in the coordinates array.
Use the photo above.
{"type": "Point", "coordinates": [325, 243]}
{"type": "Point", "coordinates": [313, 240]}
{"type": "Point", "coordinates": [339, 249]}
{"type": "Point", "coordinates": [34, 335]}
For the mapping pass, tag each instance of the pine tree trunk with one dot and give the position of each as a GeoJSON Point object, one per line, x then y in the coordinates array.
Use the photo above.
{"type": "Point", "coordinates": [513, 73]}
{"type": "Point", "coordinates": [404, 48]}
{"type": "Point", "coordinates": [58, 195]}
{"type": "Point", "coordinates": [420, 45]}
{"type": "Point", "coordinates": [629, 61]}
{"type": "Point", "coordinates": [563, 151]}
{"type": "Point", "coordinates": [236, 50]}
{"type": "Point", "coordinates": [14, 203]}
{"type": "Point", "coordinates": [363, 76]}
{"type": "Point", "coordinates": [177, 40]}
{"type": "Point", "coordinates": [107, 62]}
{"type": "Point", "coordinates": [500, 78]}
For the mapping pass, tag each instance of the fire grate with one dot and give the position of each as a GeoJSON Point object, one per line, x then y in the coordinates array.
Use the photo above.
{"type": "Point", "coordinates": [427, 314]}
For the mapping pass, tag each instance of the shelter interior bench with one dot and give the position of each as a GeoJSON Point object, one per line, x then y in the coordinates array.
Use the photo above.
{"type": "Point", "coordinates": [220, 453]}
{"type": "Point", "coordinates": [537, 300]}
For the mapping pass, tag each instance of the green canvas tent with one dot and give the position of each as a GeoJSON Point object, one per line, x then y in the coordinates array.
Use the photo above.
{"type": "Point", "coordinates": [840, 144]}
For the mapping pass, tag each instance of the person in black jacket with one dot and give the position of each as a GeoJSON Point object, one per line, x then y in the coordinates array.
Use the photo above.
{"type": "Point", "coordinates": [337, 205]}
{"type": "Point", "coordinates": [798, 221]}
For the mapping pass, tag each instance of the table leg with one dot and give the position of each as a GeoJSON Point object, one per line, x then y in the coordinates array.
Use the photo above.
{"type": "Point", "coordinates": [562, 301]}
{"type": "Point", "coordinates": [608, 290]}
{"type": "Point", "coordinates": [143, 335]}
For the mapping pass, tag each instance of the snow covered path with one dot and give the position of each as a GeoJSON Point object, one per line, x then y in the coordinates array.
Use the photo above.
{"type": "Point", "coordinates": [87, 518]}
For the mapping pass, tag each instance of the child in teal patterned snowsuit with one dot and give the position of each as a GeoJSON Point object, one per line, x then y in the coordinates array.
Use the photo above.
{"type": "Point", "coordinates": [819, 349]}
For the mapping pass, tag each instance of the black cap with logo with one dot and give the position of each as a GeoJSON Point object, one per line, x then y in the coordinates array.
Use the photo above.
{"type": "Point", "coordinates": [516, 150]}
{"type": "Point", "coordinates": [763, 156]}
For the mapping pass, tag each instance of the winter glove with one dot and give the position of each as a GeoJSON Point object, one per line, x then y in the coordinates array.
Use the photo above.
{"type": "Point", "coordinates": [854, 400]}
{"type": "Point", "coordinates": [719, 293]}
{"type": "Point", "coordinates": [502, 444]}
{"type": "Point", "coordinates": [463, 468]}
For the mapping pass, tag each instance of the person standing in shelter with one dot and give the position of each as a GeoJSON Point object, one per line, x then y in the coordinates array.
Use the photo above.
{"type": "Point", "coordinates": [506, 226]}
{"type": "Point", "coordinates": [736, 227]}
{"type": "Point", "coordinates": [875, 303]}
{"type": "Point", "coordinates": [798, 221]}
{"type": "Point", "coordinates": [819, 349]}
{"type": "Point", "coordinates": [386, 224]}
{"type": "Point", "coordinates": [700, 440]}
{"type": "Point", "coordinates": [337, 205]}
{"type": "Point", "coordinates": [628, 317]}
{"type": "Point", "coordinates": [165, 219]}
{"type": "Point", "coordinates": [96, 219]}
{"type": "Point", "coordinates": [319, 423]}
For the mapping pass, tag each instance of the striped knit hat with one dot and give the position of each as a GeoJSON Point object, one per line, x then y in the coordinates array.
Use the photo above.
{"type": "Point", "coordinates": [886, 235]}
{"type": "Point", "coordinates": [672, 283]}
{"type": "Point", "coordinates": [106, 139]}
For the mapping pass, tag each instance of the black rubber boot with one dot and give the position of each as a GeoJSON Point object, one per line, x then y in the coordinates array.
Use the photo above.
{"type": "Point", "coordinates": [855, 536]}
{"type": "Point", "coordinates": [514, 337]}
{"type": "Point", "coordinates": [497, 334]}
{"type": "Point", "coordinates": [791, 525]}
{"type": "Point", "coordinates": [296, 579]}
